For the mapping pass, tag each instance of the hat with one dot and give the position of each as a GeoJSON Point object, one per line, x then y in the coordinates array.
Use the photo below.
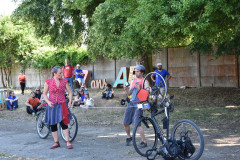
{"type": "Point", "coordinates": [21, 71]}
{"type": "Point", "coordinates": [159, 64]}
{"type": "Point", "coordinates": [78, 65]}
{"type": "Point", "coordinates": [140, 67]}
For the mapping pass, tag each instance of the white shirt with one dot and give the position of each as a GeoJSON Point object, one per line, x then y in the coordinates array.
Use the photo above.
{"type": "Point", "coordinates": [89, 101]}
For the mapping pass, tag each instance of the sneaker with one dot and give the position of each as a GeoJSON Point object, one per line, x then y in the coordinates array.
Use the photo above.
{"type": "Point", "coordinates": [128, 140]}
{"type": "Point", "coordinates": [33, 114]}
{"type": "Point", "coordinates": [142, 145]}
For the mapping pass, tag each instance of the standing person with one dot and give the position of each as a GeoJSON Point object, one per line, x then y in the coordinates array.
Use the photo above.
{"type": "Point", "coordinates": [57, 110]}
{"type": "Point", "coordinates": [68, 73]}
{"type": "Point", "coordinates": [12, 101]}
{"type": "Point", "coordinates": [32, 104]}
{"type": "Point", "coordinates": [132, 114]}
{"type": "Point", "coordinates": [79, 75]}
{"type": "Point", "coordinates": [158, 80]}
{"type": "Point", "coordinates": [22, 81]}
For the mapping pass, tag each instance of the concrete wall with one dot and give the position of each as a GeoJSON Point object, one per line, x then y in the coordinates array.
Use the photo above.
{"type": "Point", "coordinates": [220, 72]}
{"type": "Point", "coordinates": [199, 70]}
{"type": "Point", "coordinates": [35, 78]}
{"type": "Point", "coordinates": [101, 69]}
{"type": "Point", "coordinates": [186, 69]}
{"type": "Point", "coordinates": [183, 67]}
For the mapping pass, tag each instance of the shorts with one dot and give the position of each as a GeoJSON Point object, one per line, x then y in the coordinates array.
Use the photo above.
{"type": "Point", "coordinates": [132, 114]}
{"type": "Point", "coordinates": [81, 80]}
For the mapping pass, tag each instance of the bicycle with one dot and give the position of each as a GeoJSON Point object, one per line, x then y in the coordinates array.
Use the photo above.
{"type": "Point", "coordinates": [186, 141]}
{"type": "Point", "coordinates": [44, 129]}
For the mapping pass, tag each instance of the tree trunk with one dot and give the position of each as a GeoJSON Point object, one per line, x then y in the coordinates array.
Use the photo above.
{"type": "Point", "coordinates": [2, 78]}
{"type": "Point", "coordinates": [146, 61]}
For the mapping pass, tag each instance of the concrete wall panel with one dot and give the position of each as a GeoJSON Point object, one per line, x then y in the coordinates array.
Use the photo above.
{"type": "Point", "coordinates": [220, 72]}
{"type": "Point", "coordinates": [183, 67]}
{"type": "Point", "coordinates": [160, 57]}
{"type": "Point", "coordinates": [104, 69]}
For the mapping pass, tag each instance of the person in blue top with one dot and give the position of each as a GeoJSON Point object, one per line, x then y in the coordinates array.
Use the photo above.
{"type": "Point", "coordinates": [12, 101]}
{"type": "Point", "coordinates": [79, 75]}
{"type": "Point", "coordinates": [79, 99]}
{"type": "Point", "coordinates": [108, 92]}
{"type": "Point", "coordinates": [159, 80]}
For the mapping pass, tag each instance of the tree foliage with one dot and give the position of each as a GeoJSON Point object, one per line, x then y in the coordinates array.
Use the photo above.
{"type": "Point", "coordinates": [125, 28]}
{"type": "Point", "coordinates": [133, 28]}
{"type": "Point", "coordinates": [57, 18]}
{"type": "Point", "coordinates": [16, 43]}
{"type": "Point", "coordinates": [49, 57]}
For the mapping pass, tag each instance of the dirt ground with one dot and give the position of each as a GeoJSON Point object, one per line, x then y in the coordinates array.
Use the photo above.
{"type": "Point", "coordinates": [101, 135]}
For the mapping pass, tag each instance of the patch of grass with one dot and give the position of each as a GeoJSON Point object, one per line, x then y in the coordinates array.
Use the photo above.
{"type": "Point", "coordinates": [131, 152]}
{"type": "Point", "coordinates": [2, 154]}
{"type": "Point", "coordinates": [216, 108]}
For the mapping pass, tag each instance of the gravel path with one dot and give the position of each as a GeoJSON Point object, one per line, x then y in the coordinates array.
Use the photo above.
{"type": "Point", "coordinates": [20, 141]}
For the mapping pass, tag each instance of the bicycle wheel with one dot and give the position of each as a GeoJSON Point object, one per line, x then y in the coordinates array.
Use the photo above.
{"type": "Point", "coordinates": [150, 135]}
{"type": "Point", "coordinates": [72, 127]}
{"type": "Point", "coordinates": [156, 86]}
{"type": "Point", "coordinates": [190, 138]}
{"type": "Point", "coordinates": [42, 128]}
{"type": "Point", "coordinates": [75, 92]}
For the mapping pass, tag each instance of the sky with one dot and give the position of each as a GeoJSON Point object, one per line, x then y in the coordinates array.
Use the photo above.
{"type": "Point", "coordinates": [7, 7]}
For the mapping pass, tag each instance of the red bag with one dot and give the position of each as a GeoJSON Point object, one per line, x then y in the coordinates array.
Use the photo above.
{"type": "Point", "coordinates": [142, 95]}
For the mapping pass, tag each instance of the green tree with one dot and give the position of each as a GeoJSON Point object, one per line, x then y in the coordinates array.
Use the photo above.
{"type": "Point", "coordinates": [136, 28]}
{"type": "Point", "coordinates": [60, 19]}
{"type": "Point", "coordinates": [16, 43]}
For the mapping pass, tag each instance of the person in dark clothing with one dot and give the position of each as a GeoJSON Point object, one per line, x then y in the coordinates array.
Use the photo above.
{"type": "Point", "coordinates": [38, 94]}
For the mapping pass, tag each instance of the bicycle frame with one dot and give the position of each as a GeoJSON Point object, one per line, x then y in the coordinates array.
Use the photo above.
{"type": "Point", "coordinates": [158, 129]}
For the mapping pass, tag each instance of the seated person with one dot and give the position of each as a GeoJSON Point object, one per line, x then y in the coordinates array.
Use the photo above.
{"type": "Point", "coordinates": [88, 102]}
{"type": "Point", "coordinates": [79, 75]}
{"type": "Point", "coordinates": [33, 104]}
{"type": "Point", "coordinates": [39, 94]}
{"type": "Point", "coordinates": [108, 93]}
{"type": "Point", "coordinates": [12, 101]}
{"type": "Point", "coordinates": [79, 99]}
{"type": "Point", "coordinates": [83, 88]}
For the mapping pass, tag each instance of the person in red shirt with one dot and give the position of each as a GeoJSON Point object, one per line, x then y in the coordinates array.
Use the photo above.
{"type": "Point", "coordinates": [32, 104]}
{"type": "Point", "coordinates": [68, 70]}
{"type": "Point", "coordinates": [22, 81]}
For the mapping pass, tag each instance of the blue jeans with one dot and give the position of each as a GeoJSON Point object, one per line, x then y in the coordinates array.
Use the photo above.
{"type": "Point", "coordinates": [13, 106]}
{"type": "Point", "coordinates": [108, 92]}
{"type": "Point", "coordinates": [70, 81]}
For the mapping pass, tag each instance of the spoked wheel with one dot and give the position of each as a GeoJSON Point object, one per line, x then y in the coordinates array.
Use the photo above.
{"type": "Point", "coordinates": [72, 127]}
{"type": "Point", "coordinates": [190, 139]}
{"type": "Point", "coordinates": [75, 92]}
{"type": "Point", "coordinates": [42, 128]}
{"type": "Point", "coordinates": [157, 87]}
{"type": "Point", "coordinates": [147, 126]}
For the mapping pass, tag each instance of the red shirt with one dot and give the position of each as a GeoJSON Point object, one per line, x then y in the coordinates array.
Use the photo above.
{"type": "Point", "coordinates": [68, 70]}
{"type": "Point", "coordinates": [34, 102]}
{"type": "Point", "coordinates": [135, 81]}
{"type": "Point", "coordinates": [22, 78]}
{"type": "Point", "coordinates": [56, 94]}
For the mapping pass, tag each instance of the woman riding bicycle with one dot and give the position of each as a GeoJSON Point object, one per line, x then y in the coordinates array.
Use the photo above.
{"type": "Point", "coordinates": [57, 110]}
